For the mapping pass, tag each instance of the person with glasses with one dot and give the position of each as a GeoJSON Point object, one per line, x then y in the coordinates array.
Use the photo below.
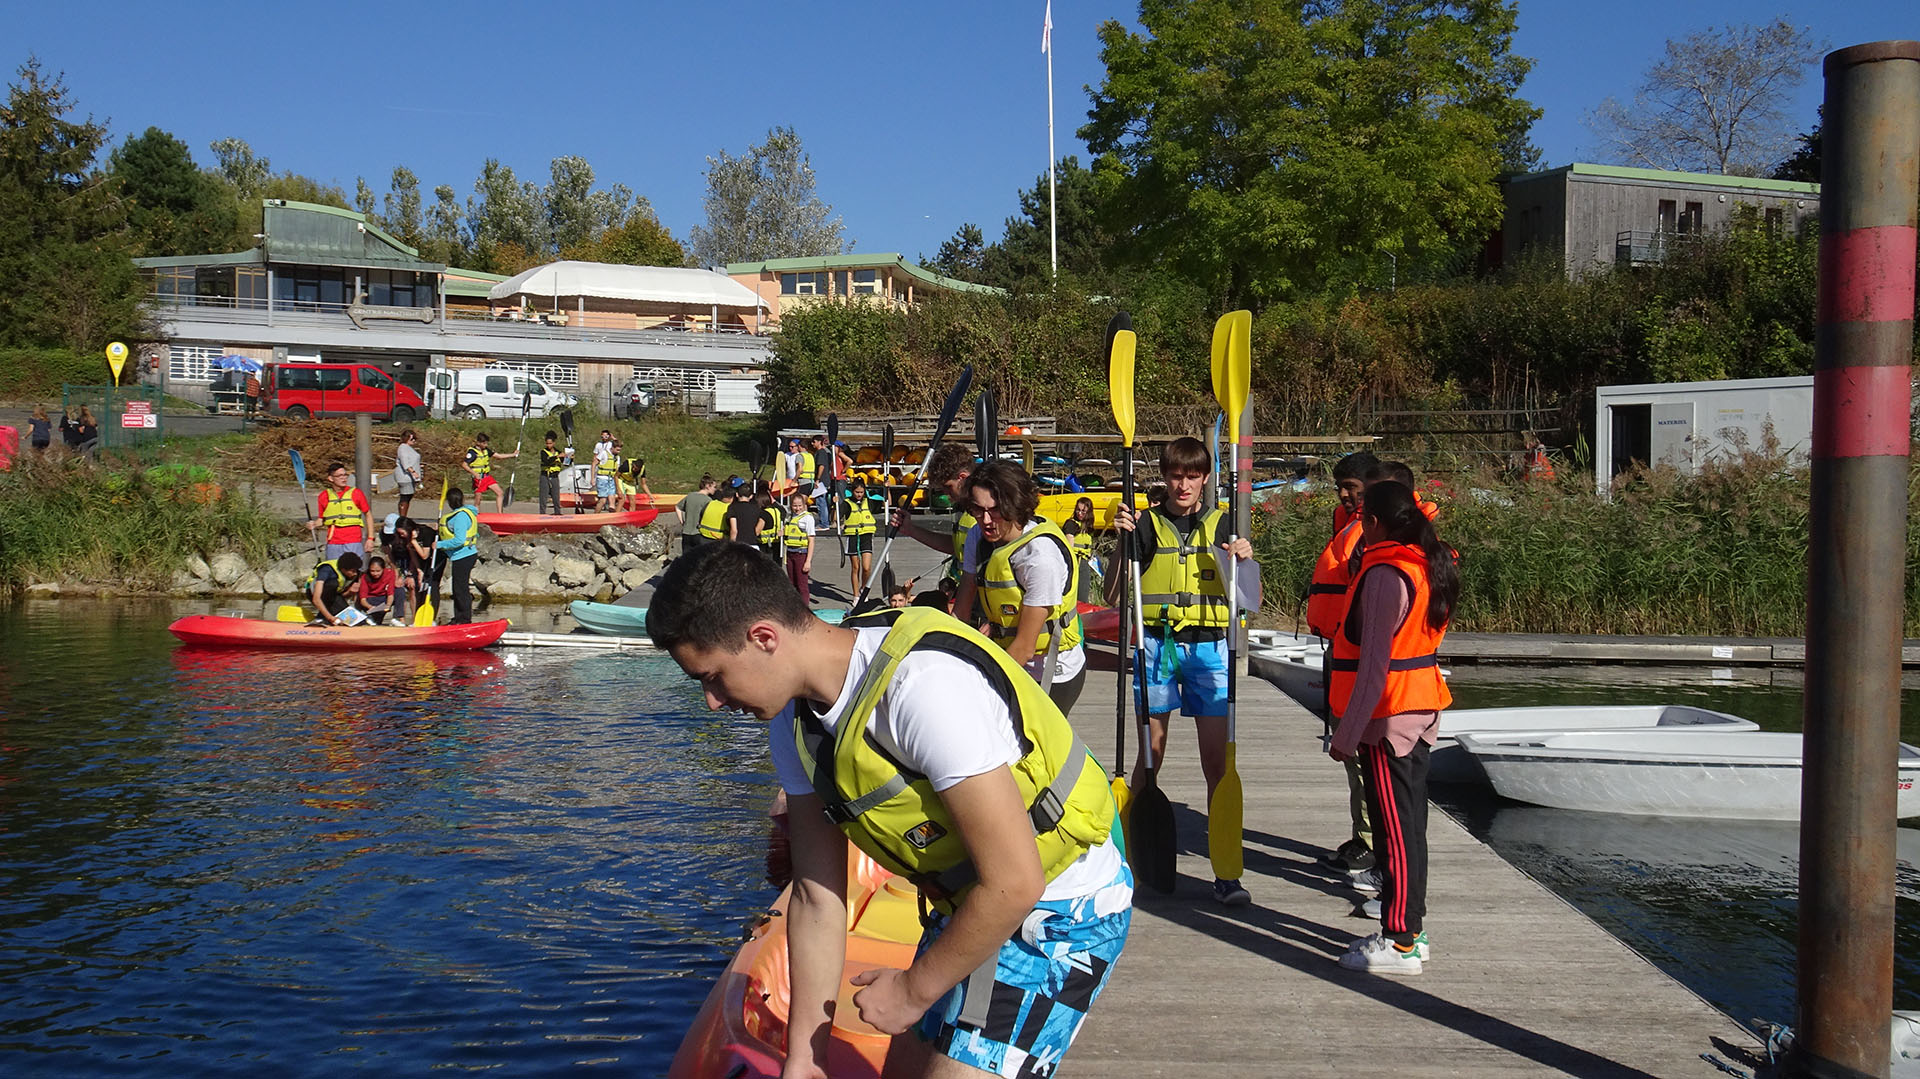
{"type": "Point", "coordinates": [1029, 582]}
{"type": "Point", "coordinates": [346, 515]}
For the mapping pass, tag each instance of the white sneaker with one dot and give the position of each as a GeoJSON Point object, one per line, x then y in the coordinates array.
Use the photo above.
{"type": "Point", "coordinates": [1378, 955]}
{"type": "Point", "coordinates": [1421, 946]}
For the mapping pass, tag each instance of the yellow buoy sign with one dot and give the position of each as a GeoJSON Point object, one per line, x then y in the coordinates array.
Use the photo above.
{"type": "Point", "coordinates": [116, 359]}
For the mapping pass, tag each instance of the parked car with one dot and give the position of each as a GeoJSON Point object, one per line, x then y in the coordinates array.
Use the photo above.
{"type": "Point", "coordinates": [479, 392]}
{"type": "Point", "coordinates": [634, 398]}
{"type": "Point", "coordinates": [300, 390]}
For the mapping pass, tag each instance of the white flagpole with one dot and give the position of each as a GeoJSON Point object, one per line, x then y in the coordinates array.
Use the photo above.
{"type": "Point", "coordinates": [1053, 203]}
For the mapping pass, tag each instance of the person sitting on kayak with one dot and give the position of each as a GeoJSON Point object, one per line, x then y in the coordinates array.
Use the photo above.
{"type": "Point", "coordinates": [333, 586]}
{"type": "Point", "coordinates": [378, 586]}
{"type": "Point", "coordinates": [933, 752]}
{"type": "Point", "coordinates": [479, 465]}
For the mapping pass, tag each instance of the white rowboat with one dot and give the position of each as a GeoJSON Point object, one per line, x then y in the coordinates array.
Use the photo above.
{"type": "Point", "coordinates": [1452, 764]}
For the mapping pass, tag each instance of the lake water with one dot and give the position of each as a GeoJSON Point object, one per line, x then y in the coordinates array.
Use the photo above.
{"type": "Point", "coordinates": [243, 863]}
{"type": "Point", "coordinates": [246, 863]}
{"type": "Point", "coordinates": [1713, 903]}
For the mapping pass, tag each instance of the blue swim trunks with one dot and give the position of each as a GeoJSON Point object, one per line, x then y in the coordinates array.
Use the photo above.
{"type": "Point", "coordinates": [603, 486]}
{"type": "Point", "coordinates": [1199, 670]}
{"type": "Point", "coordinates": [1045, 980]}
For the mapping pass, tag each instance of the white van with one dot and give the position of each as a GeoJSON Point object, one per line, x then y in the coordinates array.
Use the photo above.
{"type": "Point", "coordinates": [478, 392]}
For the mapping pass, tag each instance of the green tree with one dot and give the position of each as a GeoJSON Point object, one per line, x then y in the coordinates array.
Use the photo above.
{"type": "Point", "coordinates": [236, 162]}
{"type": "Point", "coordinates": [443, 241]}
{"type": "Point", "coordinates": [1023, 259]}
{"type": "Point", "coordinates": [505, 212]}
{"type": "Point", "coordinates": [762, 205]}
{"type": "Point", "coordinates": [961, 255]}
{"type": "Point", "coordinates": [576, 213]}
{"type": "Point", "coordinates": [173, 208]}
{"type": "Point", "coordinates": [640, 240]}
{"type": "Point", "coordinates": [403, 207]}
{"type": "Point", "coordinates": [64, 249]}
{"type": "Point", "coordinates": [1268, 147]}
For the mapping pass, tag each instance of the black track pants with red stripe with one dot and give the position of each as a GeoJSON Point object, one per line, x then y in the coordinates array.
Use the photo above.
{"type": "Point", "coordinates": [1397, 800]}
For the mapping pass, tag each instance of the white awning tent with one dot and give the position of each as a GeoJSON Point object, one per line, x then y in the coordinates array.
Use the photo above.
{"type": "Point", "coordinates": [558, 281]}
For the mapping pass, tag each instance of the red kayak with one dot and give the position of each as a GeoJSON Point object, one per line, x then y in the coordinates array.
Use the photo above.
{"type": "Point", "coordinates": [1100, 623]}
{"type": "Point", "coordinates": [260, 633]}
{"type": "Point", "coordinates": [508, 524]}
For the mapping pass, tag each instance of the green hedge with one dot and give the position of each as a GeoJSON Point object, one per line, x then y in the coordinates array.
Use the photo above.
{"type": "Point", "coordinates": [37, 373]}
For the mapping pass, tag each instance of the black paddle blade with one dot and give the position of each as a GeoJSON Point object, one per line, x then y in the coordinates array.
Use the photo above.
{"type": "Point", "coordinates": [1120, 321]}
{"type": "Point", "coordinates": [982, 436]}
{"type": "Point", "coordinates": [833, 430]}
{"type": "Point", "coordinates": [888, 582]}
{"type": "Point", "coordinates": [756, 457]}
{"type": "Point", "coordinates": [1152, 838]}
{"type": "Point", "coordinates": [566, 421]}
{"type": "Point", "coordinates": [954, 396]}
{"type": "Point", "coordinates": [526, 404]}
{"type": "Point", "coordinates": [993, 424]}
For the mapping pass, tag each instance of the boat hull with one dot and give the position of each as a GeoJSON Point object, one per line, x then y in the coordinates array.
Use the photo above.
{"type": "Point", "coordinates": [1451, 763]}
{"type": "Point", "coordinates": [208, 629]}
{"type": "Point", "coordinates": [614, 620]}
{"type": "Point", "coordinates": [1672, 772]}
{"type": "Point", "coordinates": [512, 524]}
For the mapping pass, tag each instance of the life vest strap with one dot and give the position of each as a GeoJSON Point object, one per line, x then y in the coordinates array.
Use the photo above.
{"type": "Point", "coordinates": [1044, 814]}
{"type": "Point", "coordinates": [1326, 590]}
{"type": "Point", "coordinates": [1410, 663]}
{"type": "Point", "coordinates": [1183, 599]}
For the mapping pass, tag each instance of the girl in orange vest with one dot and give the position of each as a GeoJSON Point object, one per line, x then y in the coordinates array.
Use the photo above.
{"type": "Point", "coordinates": [1385, 685]}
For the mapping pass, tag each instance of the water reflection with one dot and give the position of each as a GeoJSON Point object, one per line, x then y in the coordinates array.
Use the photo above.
{"type": "Point", "coordinates": [220, 860]}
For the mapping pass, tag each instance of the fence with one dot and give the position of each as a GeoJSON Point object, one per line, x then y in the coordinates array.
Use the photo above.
{"type": "Point", "coordinates": [123, 416]}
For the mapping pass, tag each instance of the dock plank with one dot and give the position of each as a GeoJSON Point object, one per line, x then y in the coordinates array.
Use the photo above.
{"type": "Point", "coordinates": [1520, 983]}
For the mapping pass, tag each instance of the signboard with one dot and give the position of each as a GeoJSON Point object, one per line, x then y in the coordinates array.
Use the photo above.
{"type": "Point", "coordinates": [116, 359]}
{"type": "Point", "coordinates": [139, 414]}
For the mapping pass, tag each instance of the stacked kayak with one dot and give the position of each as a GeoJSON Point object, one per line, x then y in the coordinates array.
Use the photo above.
{"type": "Point", "coordinates": [508, 524]}
{"type": "Point", "coordinates": [741, 1030]}
{"type": "Point", "coordinates": [260, 633]}
{"type": "Point", "coordinates": [614, 620]}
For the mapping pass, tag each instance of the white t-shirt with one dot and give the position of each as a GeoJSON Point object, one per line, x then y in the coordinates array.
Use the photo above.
{"type": "Point", "coordinates": [602, 451]}
{"type": "Point", "coordinates": [1042, 573]}
{"type": "Point", "coordinates": [942, 719]}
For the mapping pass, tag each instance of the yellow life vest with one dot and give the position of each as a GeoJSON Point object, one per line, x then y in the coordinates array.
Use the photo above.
{"type": "Point", "coordinates": [960, 529]}
{"type": "Point", "coordinates": [1000, 594]}
{"type": "Point", "coordinates": [482, 462]}
{"type": "Point", "coordinates": [606, 466]}
{"type": "Point", "coordinates": [466, 535]}
{"type": "Point", "coordinates": [341, 512]}
{"type": "Point", "coordinates": [859, 521]}
{"type": "Point", "coordinates": [550, 461]}
{"type": "Point", "coordinates": [713, 520]}
{"type": "Point", "coordinates": [768, 533]}
{"type": "Point", "coordinates": [797, 538]}
{"type": "Point", "coordinates": [898, 819]}
{"type": "Point", "coordinates": [1182, 585]}
{"type": "Point", "coordinates": [1082, 545]}
{"type": "Point", "coordinates": [806, 467]}
{"type": "Point", "coordinates": [340, 577]}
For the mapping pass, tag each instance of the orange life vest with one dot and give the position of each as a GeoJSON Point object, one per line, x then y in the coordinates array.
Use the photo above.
{"type": "Point", "coordinates": [1327, 595]}
{"type": "Point", "coordinates": [1413, 669]}
{"type": "Point", "coordinates": [1342, 517]}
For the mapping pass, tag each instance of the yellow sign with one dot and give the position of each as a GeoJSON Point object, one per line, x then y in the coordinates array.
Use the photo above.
{"type": "Point", "coordinates": [116, 359]}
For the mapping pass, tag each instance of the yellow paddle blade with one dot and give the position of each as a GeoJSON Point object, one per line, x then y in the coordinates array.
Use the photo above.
{"type": "Point", "coordinates": [289, 613]}
{"type": "Point", "coordinates": [1122, 797]}
{"type": "Point", "coordinates": [1224, 816]}
{"type": "Point", "coordinates": [1222, 339]}
{"type": "Point", "coordinates": [1239, 370]}
{"type": "Point", "coordinates": [1120, 382]}
{"type": "Point", "coordinates": [423, 615]}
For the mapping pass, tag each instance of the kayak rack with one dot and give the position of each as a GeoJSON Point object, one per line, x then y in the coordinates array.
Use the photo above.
{"type": "Point", "coordinates": [528, 639]}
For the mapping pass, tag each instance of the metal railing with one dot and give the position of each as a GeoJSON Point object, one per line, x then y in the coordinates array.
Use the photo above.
{"type": "Point", "coordinates": [1633, 247]}
{"type": "Point", "coordinates": [334, 316]}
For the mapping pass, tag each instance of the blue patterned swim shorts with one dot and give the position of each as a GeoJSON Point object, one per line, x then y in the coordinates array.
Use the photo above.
{"type": "Point", "coordinates": [1045, 979]}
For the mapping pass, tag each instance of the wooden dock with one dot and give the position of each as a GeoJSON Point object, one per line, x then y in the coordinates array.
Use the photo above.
{"type": "Point", "coordinates": [1520, 982]}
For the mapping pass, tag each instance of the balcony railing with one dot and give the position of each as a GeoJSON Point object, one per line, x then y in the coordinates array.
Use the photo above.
{"type": "Point", "coordinates": [227, 310]}
{"type": "Point", "coordinates": [1636, 248]}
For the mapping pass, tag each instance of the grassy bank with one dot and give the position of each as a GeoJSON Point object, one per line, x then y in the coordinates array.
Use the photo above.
{"type": "Point", "coordinates": [1721, 553]}
{"type": "Point", "coordinates": [117, 522]}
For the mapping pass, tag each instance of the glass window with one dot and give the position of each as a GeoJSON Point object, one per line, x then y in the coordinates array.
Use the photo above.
{"type": "Point", "coordinates": [375, 380]}
{"type": "Point", "coordinates": [842, 285]}
{"type": "Point", "coordinates": [289, 377]}
{"type": "Point", "coordinates": [533, 387]}
{"type": "Point", "coordinates": [865, 282]}
{"type": "Point", "coordinates": [379, 288]}
{"type": "Point", "coordinates": [332, 289]}
{"type": "Point", "coordinates": [496, 384]}
{"type": "Point", "coordinates": [333, 378]}
{"type": "Point", "coordinates": [789, 284]}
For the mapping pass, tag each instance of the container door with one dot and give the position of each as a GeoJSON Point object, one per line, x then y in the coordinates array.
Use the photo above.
{"type": "Point", "coordinates": [1673, 441]}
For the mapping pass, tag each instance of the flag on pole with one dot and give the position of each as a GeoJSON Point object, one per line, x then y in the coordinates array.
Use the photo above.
{"type": "Point", "coordinates": [1046, 30]}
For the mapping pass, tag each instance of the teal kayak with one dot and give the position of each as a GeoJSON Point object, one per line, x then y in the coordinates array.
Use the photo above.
{"type": "Point", "coordinates": [613, 620]}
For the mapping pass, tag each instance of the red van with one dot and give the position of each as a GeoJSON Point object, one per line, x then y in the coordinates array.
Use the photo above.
{"type": "Point", "coordinates": [300, 390]}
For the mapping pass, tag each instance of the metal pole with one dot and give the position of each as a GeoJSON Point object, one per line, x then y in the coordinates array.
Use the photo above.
{"type": "Point", "coordinates": [1053, 205]}
{"type": "Point", "coordinates": [1857, 556]}
{"type": "Point", "coordinates": [363, 451]}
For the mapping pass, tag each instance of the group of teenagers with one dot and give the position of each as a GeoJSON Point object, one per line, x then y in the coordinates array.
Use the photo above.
{"type": "Point", "coordinates": [934, 737]}
{"type": "Point", "coordinates": [784, 527]}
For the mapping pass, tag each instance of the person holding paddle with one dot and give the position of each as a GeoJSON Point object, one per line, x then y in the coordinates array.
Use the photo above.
{"type": "Point", "coordinates": [479, 464]}
{"type": "Point", "coordinates": [459, 545]}
{"type": "Point", "coordinates": [1186, 613]}
{"type": "Point", "coordinates": [997, 812]}
{"type": "Point", "coordinates": [1029, 583]}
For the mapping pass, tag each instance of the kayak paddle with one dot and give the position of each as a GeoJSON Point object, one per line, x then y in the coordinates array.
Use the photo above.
{"type": "Point", "coordinates": [1232, 371]}
{"type": "Point", "coordinates": [833, 470]}
{"type": "Point", "coordinates": [1120, 394]}
{"type": "Point", "coordinates": [423, 615]}
{"type": "Point", "coordinates": [947, 412]}
{"type": "Point", "coordinates": [983, 426]}
{"type": "Point", "coordinates": [300, 475]}
{"type": "Point", "coordinates": [566, 425]}
{"type": "Point", "coordinates": [526, 406]}
{"type": "Point", "coordinates": [886, 465]}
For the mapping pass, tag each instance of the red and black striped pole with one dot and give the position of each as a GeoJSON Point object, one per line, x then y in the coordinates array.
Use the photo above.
{"type": "Point", "coordinates": [1856, 567]}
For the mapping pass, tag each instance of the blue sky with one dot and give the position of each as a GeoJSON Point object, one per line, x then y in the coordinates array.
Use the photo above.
{"type": "Point", "coordinates": [917, 116]}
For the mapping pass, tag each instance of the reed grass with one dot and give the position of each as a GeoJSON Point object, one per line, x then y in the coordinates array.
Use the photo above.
{"type": "Point", "coordinates": [1720, 553]}
{"type": "Point", "coordinates": [117, 521]}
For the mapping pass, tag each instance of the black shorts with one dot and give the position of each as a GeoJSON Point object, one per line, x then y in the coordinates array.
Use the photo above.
{"type": "Point", "coordinates": [861, 544]}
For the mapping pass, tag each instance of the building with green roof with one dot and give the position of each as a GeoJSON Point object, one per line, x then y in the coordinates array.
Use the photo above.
{"type": "Point", "coordinates": [883, 277]}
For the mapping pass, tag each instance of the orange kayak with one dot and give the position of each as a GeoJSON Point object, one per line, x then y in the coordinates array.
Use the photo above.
{"type": "Point", "coordinates": [258, 633]}
{"type": "Point", "coordinates": [741, 1030]}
